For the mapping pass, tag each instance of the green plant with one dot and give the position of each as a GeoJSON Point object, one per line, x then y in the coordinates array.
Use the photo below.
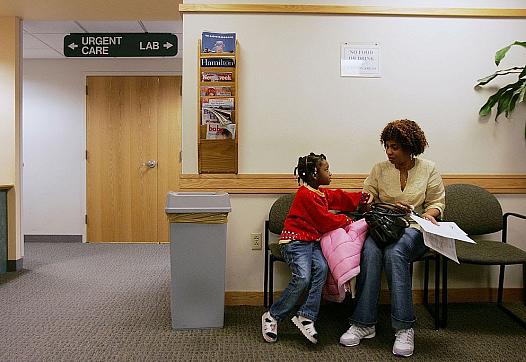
{"type": "Point", "coordinates": [506, 97]}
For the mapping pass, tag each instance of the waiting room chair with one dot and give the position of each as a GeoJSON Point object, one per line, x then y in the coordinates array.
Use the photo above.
{"type": "Point", "coordinates": [432, 308]}
{"type": "Point", "coordinates": [478, 212]}
{"type": "Point", "coordinates": [276, 218]}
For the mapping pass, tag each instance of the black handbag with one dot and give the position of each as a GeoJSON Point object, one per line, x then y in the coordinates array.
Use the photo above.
{"type": "Point", "coordinates": [386, 223]}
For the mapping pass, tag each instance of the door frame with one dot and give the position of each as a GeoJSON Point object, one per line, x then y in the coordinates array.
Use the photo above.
{"type": "Point", "coordinates": [84, 135]}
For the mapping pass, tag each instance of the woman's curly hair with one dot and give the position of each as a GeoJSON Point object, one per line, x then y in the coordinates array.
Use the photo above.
{"type": "Point", "coordinates": [407, 133]}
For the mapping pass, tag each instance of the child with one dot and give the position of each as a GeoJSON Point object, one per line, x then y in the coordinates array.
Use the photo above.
{"type": "Point", "coordinates": [309, 217]}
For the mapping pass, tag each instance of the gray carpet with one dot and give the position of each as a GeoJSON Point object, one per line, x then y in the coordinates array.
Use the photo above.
{"type": "Point", "coordinates": [80, 302]}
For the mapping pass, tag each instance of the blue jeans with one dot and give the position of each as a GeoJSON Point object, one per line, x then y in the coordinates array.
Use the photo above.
{"type": "Point", "coordinates": [396, 259]}
{"type": "Point", "coordinates": [309, 270]}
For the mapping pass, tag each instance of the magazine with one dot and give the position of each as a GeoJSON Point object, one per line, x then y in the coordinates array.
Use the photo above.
{"type": "Point", "coordinates": [219, 116]}
{"type": "Point", "coordinates": [216, 76]}
{"type": "Point", "coordinates": [219, 91]}
{"type": "Point", "coordinates": [218, 62]}
{"type": "Point", "coordinates": [215, 131]}
{"type": "Point", "coordinates": [220, 103]}
{"type": "Point", "coordinates": [218, 43]}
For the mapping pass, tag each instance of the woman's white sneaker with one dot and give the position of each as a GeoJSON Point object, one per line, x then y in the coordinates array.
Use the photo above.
{"type": "Point", "coordinates": [404, 344]}
{"type": "Point", "coordinates": [306, 326]}
{"type": "Point", "coordinates": [355, 333]}
{"type": "Point", "coordinates": [269, 327]}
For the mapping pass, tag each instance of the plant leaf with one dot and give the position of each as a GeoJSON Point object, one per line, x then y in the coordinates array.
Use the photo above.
{"type": "Point", "coordinates": [492, 100]}
{"type": "Point", "coordinates": [508, 99]}
{"type": "Point", "coordinates": [503, 104]}
{"type": "Point", "coordinates": [523, 73]}
{"type": "Point", "coordinates": [486, 80]}
{"type": "Point", "coordinates": [513, 102]}
{"type": "Point", "coordinates": [522, 93]}
{"type": "Point", "coordinates": [501, 53]}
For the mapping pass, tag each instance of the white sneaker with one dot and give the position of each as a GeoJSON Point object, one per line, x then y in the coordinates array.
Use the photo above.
{"type": "Point", "coordinates": [306, 326]}
{"type": "Point", "coordinates": [269, 327]}
{"type": "Point", "coordinates": [404, 344]}
{"type": "Point", "coordinates": [355, 333]}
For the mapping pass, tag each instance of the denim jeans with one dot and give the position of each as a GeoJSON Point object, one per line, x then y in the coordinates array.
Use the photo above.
{"type": "Point", "coordinates": [309, 270]}
{"type": "Point", "coordinates": [396, 260]}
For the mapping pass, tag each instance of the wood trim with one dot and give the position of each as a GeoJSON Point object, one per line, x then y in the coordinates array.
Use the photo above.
{"type": "Point", "coordinates": [352, 10]}
{"type": "Point", "coordinates": [199, 218]}
{"type": "Point", "coordinates": [285, 183]}
{"type": "Point", "coordinates": [461, 295]}
{"type": "Point", "coordinates": [5, 186]}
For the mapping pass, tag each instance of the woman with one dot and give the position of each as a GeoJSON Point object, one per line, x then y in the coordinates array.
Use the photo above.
{"type": "Point", "coordinates": [413, 183]}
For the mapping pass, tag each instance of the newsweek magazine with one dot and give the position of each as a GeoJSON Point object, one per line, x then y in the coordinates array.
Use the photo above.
{"type": "Point", "coordinates": [218, 43]}
{"type": "Point", "coordinates": [216, 76]}
{"type": "Point", "coordinates": [218, 91]}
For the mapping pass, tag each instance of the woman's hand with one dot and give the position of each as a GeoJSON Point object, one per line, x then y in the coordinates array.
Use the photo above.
{"type": "Point", "coordinates": [405, 206]}
{"type": "Point", "coordinates": [429, 217]}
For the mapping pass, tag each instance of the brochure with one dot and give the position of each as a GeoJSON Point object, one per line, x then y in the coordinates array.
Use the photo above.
{"type": "Point", "coordinates": [212, 115]}
{"type": "Point", "coordinates": [218, 43]}
{"type": "Point", "coordinates": [215, 131]}
{"type": "Point", "coordinates": [220, 103]}
{"type": "Point", "coordinates": [218, 62]}
{"type": "Point", "coordinates": [219, 91]}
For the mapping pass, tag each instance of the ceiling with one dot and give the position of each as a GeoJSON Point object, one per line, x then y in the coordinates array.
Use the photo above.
{"type": "Point", "coordinates": [108, 10]}
{"type": "Point", "coordinates": [44, 39]}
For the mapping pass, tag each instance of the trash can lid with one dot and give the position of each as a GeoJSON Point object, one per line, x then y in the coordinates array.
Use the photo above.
{"type": "Point", "coordinates": [195, 202]}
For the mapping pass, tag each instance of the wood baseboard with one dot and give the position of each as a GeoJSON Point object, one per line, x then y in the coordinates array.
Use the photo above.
{"type": "Point", "coordinates": [464, 295]}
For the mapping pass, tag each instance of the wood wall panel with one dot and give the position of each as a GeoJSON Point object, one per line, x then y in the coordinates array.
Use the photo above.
{"type": "Point", "coordinates": [352, 10]}
{"type": "Point", "coordinates": [285, 183]}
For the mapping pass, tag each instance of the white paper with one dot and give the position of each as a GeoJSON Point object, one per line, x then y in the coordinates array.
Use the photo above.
{"type": "Point", "coordinates": [360, 60]}
{"type": "Point", "coordinates": [445, 229]}
{"type": "Point", "coordinates": [441, 237]}
{"type": "Point", "coordinates": [445, 246]}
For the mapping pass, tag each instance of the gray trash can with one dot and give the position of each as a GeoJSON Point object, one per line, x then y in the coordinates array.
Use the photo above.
{"type": "Point", "coordinates": [197, 258]}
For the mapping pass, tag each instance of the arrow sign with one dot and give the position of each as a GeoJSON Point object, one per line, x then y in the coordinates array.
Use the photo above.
{"type": "Point", "coordinates": [120, 45]}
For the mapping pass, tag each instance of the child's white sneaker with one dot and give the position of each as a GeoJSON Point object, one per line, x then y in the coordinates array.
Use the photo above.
{"type": "Point", "coordinates": [404, 344]}
{"type": "Point", "coordinates": [306, 326]}
{"type": "Point", "coordinates": [269, 327]}
{"type": "Point", "coordinates": [355, 334]}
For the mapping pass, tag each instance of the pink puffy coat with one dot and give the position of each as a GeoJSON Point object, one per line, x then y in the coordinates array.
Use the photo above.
{"type": "Point", "coordinates": [342, 248]}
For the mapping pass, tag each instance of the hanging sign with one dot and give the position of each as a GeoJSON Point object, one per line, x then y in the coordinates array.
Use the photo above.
{"type": "Point", "coordinates": [120, 45]}
{"type": "Point", "coordinates": [360, 60]}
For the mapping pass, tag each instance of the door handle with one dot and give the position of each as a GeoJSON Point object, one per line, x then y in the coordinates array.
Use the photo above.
{"type": "Point", "coordinates": [150, 163]}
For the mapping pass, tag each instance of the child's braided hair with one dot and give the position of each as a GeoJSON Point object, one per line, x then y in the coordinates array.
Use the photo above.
{"type": "Point", "coordinates": [306, 169]}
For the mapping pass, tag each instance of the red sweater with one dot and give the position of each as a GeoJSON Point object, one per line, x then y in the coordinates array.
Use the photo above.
{"type": "Point", "coordinates": [309, 216]}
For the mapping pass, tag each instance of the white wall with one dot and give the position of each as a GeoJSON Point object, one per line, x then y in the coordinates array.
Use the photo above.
{"type": "Point", "coordinates": [54, 137]}
{"type": "Point", "coordinates": [292, 100]}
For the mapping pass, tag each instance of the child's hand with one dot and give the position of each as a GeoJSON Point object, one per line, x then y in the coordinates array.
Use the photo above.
{"type": "Point", "coordinates": [365, 200]}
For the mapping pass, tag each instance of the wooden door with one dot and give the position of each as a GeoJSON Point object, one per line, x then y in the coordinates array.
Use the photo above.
{"type": "Point", "coordinates": [133, 144]}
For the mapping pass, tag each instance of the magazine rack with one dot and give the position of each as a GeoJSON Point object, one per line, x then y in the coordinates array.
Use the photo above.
{"type": "Point", "coordinates": [217, 150]}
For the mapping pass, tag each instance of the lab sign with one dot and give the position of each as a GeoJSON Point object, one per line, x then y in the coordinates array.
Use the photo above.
{"type": "Point", "coordinates": [120, 45]}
